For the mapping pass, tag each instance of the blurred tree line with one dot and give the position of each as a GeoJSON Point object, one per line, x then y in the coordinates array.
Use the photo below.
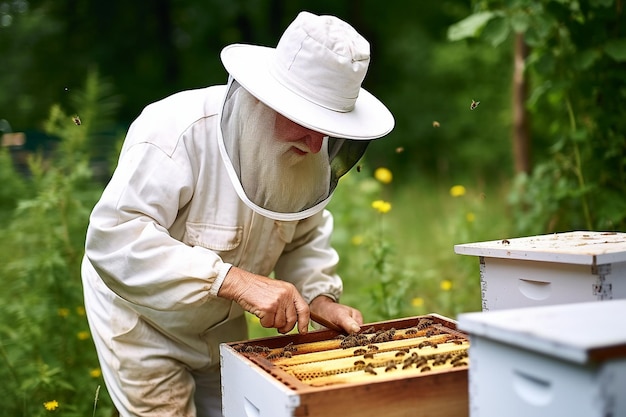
{"type": "Point", "coordinates": [149, 50]}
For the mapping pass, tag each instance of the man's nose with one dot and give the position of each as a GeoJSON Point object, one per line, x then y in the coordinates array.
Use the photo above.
{"type": "Point", "coordinates": [314, 141]}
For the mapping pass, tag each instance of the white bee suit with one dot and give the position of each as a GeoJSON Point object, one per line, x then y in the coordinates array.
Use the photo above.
{"type": "Point", "coordinates": [165, 232]}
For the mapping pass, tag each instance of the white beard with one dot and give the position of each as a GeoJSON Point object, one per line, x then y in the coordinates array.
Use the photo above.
{"type": "Point", "coordinates": [272, 175]}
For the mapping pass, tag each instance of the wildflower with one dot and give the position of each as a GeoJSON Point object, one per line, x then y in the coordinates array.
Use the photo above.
{"type": "Point", "coordinates": [457, 191]}
{"type": "Point", "coordinates": [80, 310]}
{"type": "Point", "coordinates": [51, 405]}
{"type": "Point", "coordinates": [446, 285]}
{"type": "Point", "coordinates": [382, 206]}
{"type": "Point", "coordinates": [357, 240]}
{"type": "Point", "coordinates": [383, 175]}
{"type": "Point", "coordinates": [63, 312]}
{"type": "Point", "coordinates": [417, 302]}
{"type": "Point", "coordinates": [470, 217]}
{"type": "Point", "coordinates": [83, 335]}
{"type": "Point", "coordinates": [95, 373]}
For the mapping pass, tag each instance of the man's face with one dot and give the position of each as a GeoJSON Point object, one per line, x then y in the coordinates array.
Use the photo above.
{"type": "Point", "coordinates": [302, 139]}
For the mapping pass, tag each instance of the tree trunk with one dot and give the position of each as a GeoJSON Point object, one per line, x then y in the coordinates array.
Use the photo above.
{"type": "Point", "coordinates": [521, 135]}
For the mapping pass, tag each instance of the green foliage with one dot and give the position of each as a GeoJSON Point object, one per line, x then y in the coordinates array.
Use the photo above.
{"type": "Point", "coordinates": [45, 345]}
{"type": "Point", "coordinates": [577, 100]}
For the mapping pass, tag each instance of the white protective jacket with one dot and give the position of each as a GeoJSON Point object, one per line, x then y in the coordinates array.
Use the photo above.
{"type": "Point", "coordinates": [169, 225]}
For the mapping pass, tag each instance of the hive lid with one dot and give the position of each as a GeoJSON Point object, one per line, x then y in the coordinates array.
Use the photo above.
{"type": "Point", "coordinates": [578, 332]}
{"type": "Point", "coordinates": [581, 247]}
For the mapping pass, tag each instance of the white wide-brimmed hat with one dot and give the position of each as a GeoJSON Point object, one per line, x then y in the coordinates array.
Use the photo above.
{"type": "Point", "coordinates": [314, 77]}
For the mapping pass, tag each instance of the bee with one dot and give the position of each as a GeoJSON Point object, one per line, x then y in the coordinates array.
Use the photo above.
{"type": "Point", "coordinates": [390, 367]}
{"type": "Point", "coordinates": [424, 323]}
{"type": "Point", "coordinates": [368, 355]}
{"type": "Point", "coordinates": [359, 363]}
{"type": "Point", "coordinates": [411, 330]}
{"type": "Point", "coordinates": [399, 149]}
{"type": "Point", "coordinates": [76, 120]}
{"type": "Point", "coordinates": [274, 355]}
{"type": "Point", "coordinates": [459, 363]}
{"type": "Point", "coordinates": [290, 347]}
{"type": "Point", "coordinates": [369, 330]}
{"type": "Point", "coordinates": [400, 353]}
{"type": "Point", "coordinates": [372, 347]}
{"type": "Point", "coordinates": [436, 124]}
{"type": "Point", "coordinates": [358, 168]}
{"type": "Point", "coordinates": [424, 344]}
{"type": "Point", "coordinates": [505, 242]}
{"type": "Point", "coordinates": [358, 352]}
{"type": "Point", "coordinates": [287, 354]}
{"type": "Point", "coordinates": [370, 369]}
{"type": "Point", "coordinates": [425, 369]}
{"type": "Point", "coordinates": [474, 104]}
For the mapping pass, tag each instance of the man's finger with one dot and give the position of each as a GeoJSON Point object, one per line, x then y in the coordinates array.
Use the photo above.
{"type": "Point", "coordinates": [302, 309]}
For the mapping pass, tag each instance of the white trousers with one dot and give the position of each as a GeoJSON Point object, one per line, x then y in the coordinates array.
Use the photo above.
{"type": "Point", "coordinates": [148, 373]}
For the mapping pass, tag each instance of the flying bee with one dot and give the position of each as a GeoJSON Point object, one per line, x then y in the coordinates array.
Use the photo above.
{"type": "Point", "coordinates": [76, 120]}
{"type": "Point", "coordinates": [436, 124]}
{"type": "Point", "coordinates": [399, 149]}
{"type": "Point", "coordinates": [474, 104]}
{"type": "Point", "coordinates": [358, 168]}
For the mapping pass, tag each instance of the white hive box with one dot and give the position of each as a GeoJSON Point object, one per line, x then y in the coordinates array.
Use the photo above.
{"type": "Point", "coordinates": [323, 376]}
{"type": "Point", "coordinates": [562, 360]}
{"type": "Point", "coordinates": [550, 269]}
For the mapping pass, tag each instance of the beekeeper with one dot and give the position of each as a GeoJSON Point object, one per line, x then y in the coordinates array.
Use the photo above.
{"type": "Point", "coordinates": [215, 189]}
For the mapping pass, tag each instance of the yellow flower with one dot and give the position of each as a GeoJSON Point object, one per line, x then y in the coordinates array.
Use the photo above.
{"type": "Point", "coordinates": [417, 302]}
{"type": "Point", "coordinates": [51, 405]}
{"type": "Point", "coordinates": [381, 206]}
{"type": "Point", "coordinates": [80, 310]}
{"type": "Point", "coordinates": [95, 373]}
{"type": "Point", "coordinates": [383, 175]}
{"type": "Point", "coordinates": [63, 312]}
{"type": "Point", "coordinates": [457, 191]}
{"type": "Point", "coordinates": [83, 335]}
{"type": "Point", "coordinates": [357, 240]}
{"type": "Point", "coordinates": [446, 285]}
{"type": "Point", "coordinates": [470, 217]}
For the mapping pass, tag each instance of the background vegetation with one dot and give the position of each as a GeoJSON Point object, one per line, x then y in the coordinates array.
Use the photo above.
{"type": "Point", "coordinates": [449, 174]}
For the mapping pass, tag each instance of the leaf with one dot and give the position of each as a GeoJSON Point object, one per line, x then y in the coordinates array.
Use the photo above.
{"type": "Point", "coordinates": [496, 31]}
{"type": "Point", "coordinates": [616, 49]}
{"type": "Point", "coordinates": [469, 27]}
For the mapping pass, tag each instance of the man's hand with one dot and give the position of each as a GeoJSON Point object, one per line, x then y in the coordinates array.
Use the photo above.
{"type": "Point", "coordinates": [348, 318]}
{"type": "Point", "coordinates": [276, 303]}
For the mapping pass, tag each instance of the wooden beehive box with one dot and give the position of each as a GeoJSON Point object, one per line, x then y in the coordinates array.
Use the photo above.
{"type": "Point", "coordinates": [560, 360]}
{"type": "Point", "coordinates": [409, 367]}
{"type": "Point", "coordinates": [558, 268]}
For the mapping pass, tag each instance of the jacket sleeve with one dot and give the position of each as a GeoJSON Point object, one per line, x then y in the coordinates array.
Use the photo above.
{"type": "Point", "coordinates": [128, 242]}
{"type": "Point", "coordinates": [309, 262]}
